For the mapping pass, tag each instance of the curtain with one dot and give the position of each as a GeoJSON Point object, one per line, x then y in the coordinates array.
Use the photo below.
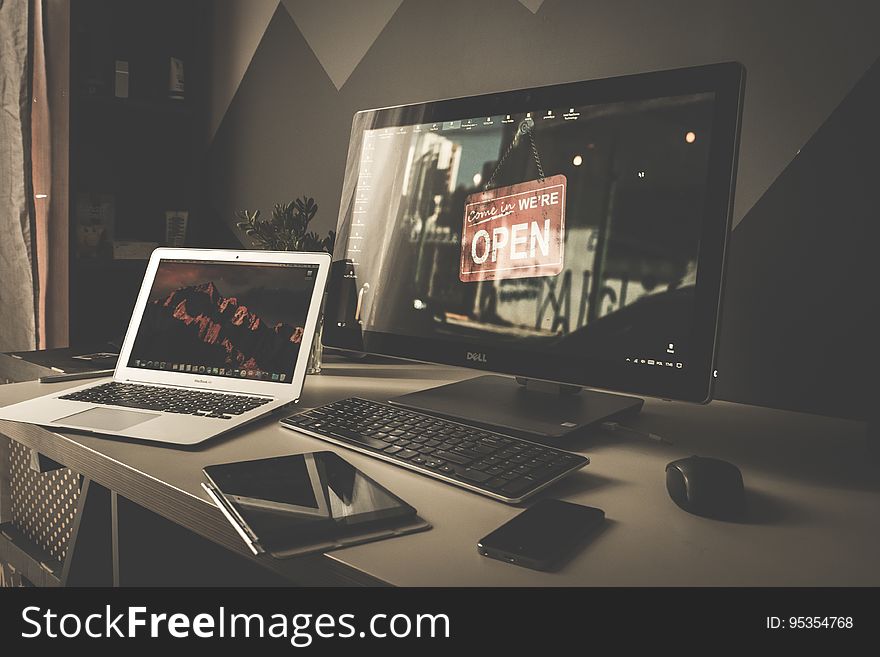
{"type": "Point", "coordinates": [49, 163]}
{"type": "Point", "coordinates": [40, 172]}
{"type": "Point", "coordinates": [17, 309]}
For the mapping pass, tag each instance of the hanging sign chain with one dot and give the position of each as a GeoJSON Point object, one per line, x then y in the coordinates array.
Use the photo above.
{"type": "Point", "coordinates": [526, 127]}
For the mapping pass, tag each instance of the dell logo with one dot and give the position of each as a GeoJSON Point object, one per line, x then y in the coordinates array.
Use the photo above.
{"type": "Point", "coordinates": [476, 356]}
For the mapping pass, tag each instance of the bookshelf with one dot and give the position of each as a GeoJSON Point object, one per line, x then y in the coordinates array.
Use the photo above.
{"type": "Point", "coordinates": [134, 154]}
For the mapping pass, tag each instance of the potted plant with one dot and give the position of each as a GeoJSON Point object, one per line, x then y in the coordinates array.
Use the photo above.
{"type": "Point", "coordinates": [288, 230]}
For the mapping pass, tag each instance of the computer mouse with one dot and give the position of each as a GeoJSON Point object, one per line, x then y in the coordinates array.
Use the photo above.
{"type": "Point", "coordinates": [707, 487]}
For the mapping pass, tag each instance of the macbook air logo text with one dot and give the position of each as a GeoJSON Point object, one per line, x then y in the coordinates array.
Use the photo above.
{"type": "Point", "coordinates": [202, 380]}
{"type": "Point", "coordinates": [476, 356]}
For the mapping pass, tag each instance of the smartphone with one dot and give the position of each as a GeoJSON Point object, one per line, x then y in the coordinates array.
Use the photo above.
{"type": "Point", "coordinates": [542, 536]}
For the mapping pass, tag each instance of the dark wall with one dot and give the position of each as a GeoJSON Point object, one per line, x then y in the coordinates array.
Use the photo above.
{"type": "Point", "coordinates": [802, 306]}
{"type": "Point", "coordinates": [285, 131]}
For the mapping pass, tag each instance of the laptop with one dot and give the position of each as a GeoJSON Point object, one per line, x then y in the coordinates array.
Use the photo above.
{"type": "Point", "coordinates": [217, 339]}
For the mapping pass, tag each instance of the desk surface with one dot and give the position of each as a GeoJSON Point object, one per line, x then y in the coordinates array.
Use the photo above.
{"type": "Point", "coordinates": [813, 496]}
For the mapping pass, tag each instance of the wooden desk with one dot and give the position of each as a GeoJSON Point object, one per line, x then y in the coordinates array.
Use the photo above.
{"type": "Point", "coordinates": [813, 497]}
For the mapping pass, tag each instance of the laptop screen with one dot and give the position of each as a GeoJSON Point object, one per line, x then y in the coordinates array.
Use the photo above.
{"type": "Point", "coordinates": [225, 319]}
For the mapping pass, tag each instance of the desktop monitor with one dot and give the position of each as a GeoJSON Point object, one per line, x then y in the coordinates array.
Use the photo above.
{"type": "Point", "coordinates": [572, 234]}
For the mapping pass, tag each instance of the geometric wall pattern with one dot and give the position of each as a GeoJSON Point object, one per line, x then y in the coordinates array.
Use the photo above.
{"type": "Point", "coordinates": [802, 57]}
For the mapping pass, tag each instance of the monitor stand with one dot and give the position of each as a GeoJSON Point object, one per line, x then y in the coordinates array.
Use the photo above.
{"type": "Point", "coordinates": [534, 410]}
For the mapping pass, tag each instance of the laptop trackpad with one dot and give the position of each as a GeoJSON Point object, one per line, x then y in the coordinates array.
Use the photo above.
{"type": "Point", "coordinates": [108, 419]}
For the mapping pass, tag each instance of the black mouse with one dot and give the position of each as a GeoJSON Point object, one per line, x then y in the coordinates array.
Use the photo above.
{"type": "Point", "coordinates": [707, 487]}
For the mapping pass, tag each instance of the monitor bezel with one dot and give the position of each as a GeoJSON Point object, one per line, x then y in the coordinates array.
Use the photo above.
{"type": "Point", "coordinates": [693, 383]}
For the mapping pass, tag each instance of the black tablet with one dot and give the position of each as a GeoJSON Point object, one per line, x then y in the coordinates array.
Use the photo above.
{"type": "Point", "coordinates": [287, 500]}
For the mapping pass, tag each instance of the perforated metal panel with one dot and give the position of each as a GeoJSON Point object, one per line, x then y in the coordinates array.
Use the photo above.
{"type": "Point", "coordinates": [43, 505]}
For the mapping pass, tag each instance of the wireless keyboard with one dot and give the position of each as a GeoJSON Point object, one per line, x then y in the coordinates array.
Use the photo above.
{"type": "Point", "coordinates": [502, 467]}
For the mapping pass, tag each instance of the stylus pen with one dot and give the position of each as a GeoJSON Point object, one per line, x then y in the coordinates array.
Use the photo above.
{"type": "Point", "coordinates": [74, 376]}
{"type": "Point", "coordinates": [218, 500]}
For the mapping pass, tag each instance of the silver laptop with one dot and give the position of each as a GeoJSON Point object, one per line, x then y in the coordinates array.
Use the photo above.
{"type": "Point", "coordinates": [217, 339]}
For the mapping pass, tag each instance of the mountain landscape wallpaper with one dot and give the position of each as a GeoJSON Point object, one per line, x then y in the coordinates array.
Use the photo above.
{"type": "Point", "coordinates": [247, 317]}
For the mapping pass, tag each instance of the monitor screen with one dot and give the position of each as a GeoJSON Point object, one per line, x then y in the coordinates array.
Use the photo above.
{"type": "Point", "coordinates": [568, 231]}
{"type": "Point", "coordinates": [225, 319]}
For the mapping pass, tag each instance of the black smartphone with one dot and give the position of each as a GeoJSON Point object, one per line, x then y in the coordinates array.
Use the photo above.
{"type": "Point", "coordinates": [542, 536]}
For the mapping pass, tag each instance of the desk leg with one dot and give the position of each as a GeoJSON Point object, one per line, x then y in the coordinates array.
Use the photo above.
{"type": "Point", "coordinates": [114, 524]}
{"type": "Point", "coordinates": [89, 555]}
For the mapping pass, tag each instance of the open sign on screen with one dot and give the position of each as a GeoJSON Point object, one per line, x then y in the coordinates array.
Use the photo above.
{"type": "Point", "coordinates": [514, 232]}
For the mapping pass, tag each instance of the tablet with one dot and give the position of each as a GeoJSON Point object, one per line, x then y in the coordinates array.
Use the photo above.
{"type": "Point", "coordinates": [286, 500]}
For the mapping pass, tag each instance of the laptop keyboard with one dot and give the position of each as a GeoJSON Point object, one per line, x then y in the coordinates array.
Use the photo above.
{"type": "Point", "coordinates": [219, 405]}
{"type": "Point", "coordinates": [500, 466]}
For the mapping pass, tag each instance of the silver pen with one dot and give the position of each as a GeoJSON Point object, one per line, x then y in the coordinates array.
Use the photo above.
{"type": "Point", "coordinates": [74, 376]}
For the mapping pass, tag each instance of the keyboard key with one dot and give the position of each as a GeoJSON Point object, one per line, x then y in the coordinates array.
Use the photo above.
{"type": "Point", "coordinates": [518, 486]}
{"type": "Point", "coordinates": [467, 453]}
{"type": "Point", "coordinates": [474, 475]}
{"type": "Point", "coordinates": [357, 438]}
{"type": "Point", "coordinates": [453, 457]}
